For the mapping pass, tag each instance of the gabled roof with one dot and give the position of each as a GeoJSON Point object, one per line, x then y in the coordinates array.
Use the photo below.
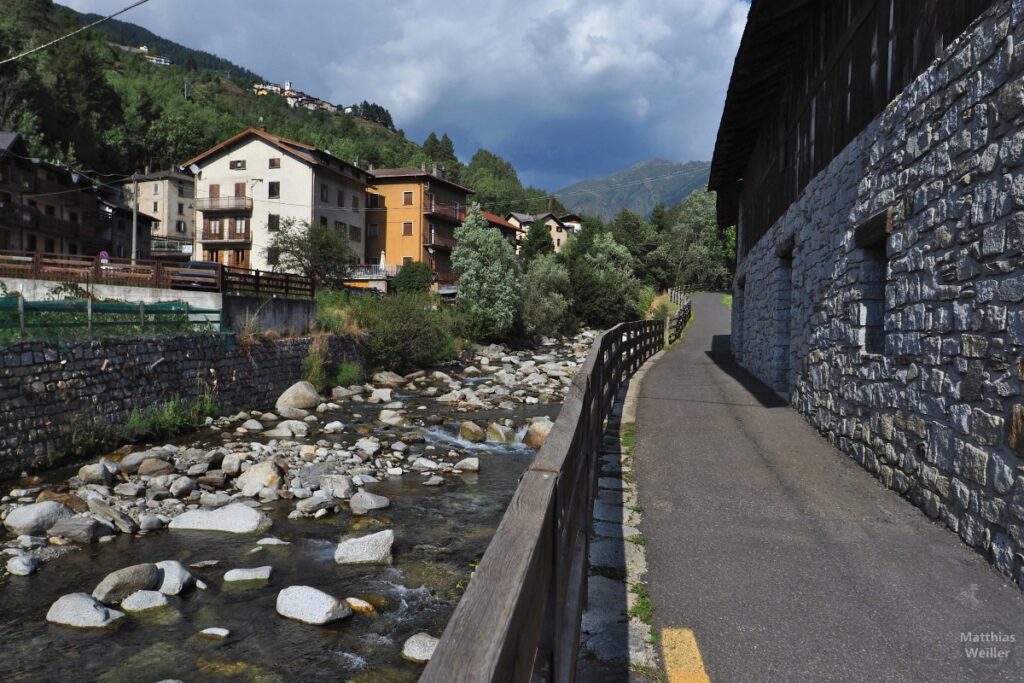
{"type": "Point", "coordinates": [570, 218]}
{"type": "Point", "coordinates": [497, 221]}
{"type": "Point", "coordinates": [166, 175]}
{"type": "Point", "coordinates": [13, 143]}
{"type": "Point", "coordinates": [534, 217]}
{"type": "Point", "coordinates": [300, 150]}
{"type": "Point", "coordinates": [411, 172]}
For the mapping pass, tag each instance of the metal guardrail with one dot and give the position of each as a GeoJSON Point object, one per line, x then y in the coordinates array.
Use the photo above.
{"type": "Point", "coordinates": [22, 320]}
{"type": "Point", "coordinates": [521, 612]}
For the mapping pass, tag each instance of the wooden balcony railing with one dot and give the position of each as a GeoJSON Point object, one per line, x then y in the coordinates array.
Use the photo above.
{"type": "Point", "coordinates": [436, 238]}
{"type": "Point", "coordinates": [226, 235]}
{"type": "Point", "coordinates": [210, 204]}
{"type": "Point", "coordinates": [453, 213]}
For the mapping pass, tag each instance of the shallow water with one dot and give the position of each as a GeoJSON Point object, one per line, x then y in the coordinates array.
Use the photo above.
{"type": "Point", "coordinates": [440, 533]}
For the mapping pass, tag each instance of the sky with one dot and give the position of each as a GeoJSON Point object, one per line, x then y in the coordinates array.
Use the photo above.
{"type": "Point", "coordinates": [564, 89]}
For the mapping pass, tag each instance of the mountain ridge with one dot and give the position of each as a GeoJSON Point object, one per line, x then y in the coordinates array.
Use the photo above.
{"type": "Point", "coordinates": [638, 188]}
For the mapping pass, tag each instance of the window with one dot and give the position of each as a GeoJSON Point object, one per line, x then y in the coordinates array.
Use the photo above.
{"type": "Point", "coordinates": [214, 191]}
{"type": "Point", "coordinates": [406, 260]}
{"type": "Point", "coordinates": [338, 225]}
{"type": "Point", "coordinates": [355, 234]}
{"type": "Point", "coordinates": [156, 207]}
{"type": "Point", "coordinates": [181, 209]}
{"type": "Point", "coordinates": [323, 221]}
{"type": "Point", "coordinates": [275, 162]}
{"type": "Point", "coordinates": [239, 189]}
{"type": "Point", "coordinates": [373, 201]}
{"type": "Point", "coordinates": [355, 201]}
{"type": "Point", "coordinates": [241, 226]}
{"type": "Point", "coordinates": [274, 189]}
{"type": "Point", "coordinates": [407, 199]}
{"type": "Point", "coordinates": [49, 246]}
{"type": "Point", "coordinates": [156, 189]}
{"type": "Point", "coordinates": [372, 230]}
{"type": "Point", "coordinates": [341, 198]}
{"type": "Point", "coordinates": [237, 165]}
{"type": "Point", "coordinates": [407, 229]}
{"type": "Point", "coordinates": [558, 242]}
{"type": "Point", "coordinates": [179, 226]}
{"type": "Point", "coordinates": [323, 193]}
{"type": "Point", "coordinates": [273, 256]}
{"type": "Point", "coordinates": [215, 226]}
{"type": "Point", "coordinates": [273, 222]}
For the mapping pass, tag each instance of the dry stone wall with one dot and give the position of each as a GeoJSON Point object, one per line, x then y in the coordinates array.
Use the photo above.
{"type": "Point", "coordinates": [53, 394]}
{"type": "Point", "coordinates": [909, 354]}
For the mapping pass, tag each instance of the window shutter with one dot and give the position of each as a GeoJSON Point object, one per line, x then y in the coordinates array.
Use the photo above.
{"type": "Point", "coordinates": [239, 189]}
{"type": "Point", "coordinates": [214, 191]}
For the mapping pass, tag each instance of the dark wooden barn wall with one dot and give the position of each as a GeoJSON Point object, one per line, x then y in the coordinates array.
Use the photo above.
{"type": "Point", "coordinates": [857, 57]}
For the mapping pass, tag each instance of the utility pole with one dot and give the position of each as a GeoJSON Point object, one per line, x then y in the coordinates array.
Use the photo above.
{"type": "Point", "coordinates": [135, 214]}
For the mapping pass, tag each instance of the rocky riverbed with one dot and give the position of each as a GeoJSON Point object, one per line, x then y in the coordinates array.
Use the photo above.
{"type": "Point", "coordinates": [327, 537]}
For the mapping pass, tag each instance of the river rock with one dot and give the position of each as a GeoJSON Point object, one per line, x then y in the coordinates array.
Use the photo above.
{"type": "Point", "coordinates": [380, 396]}
{"type": "Point", "coordinates": [143, 600]}
{"type": "Point", "coordinates": [69, 500]}
{"type": "Point", "coordinates": [95, 473]}
{"type": "Point", "coordinates": [419, 648]}
{"type": "Point", "coordinates": [337, 485]}
{"type": "Point", "coordinates": [359, 606]}
{"type": "Point", "coordinates": [537, 433]}
{"type": "Point", "coordinates": [215, 633]}
{"type": "Point", "coordinates": [154, 467]}
{"type": "Point", "coordinates": [80, 529]}
{"type": "Point", "coordinates": [391, 418]}
{"type": "Point", "coordinates": [118, 585]}
{"type": "Point", "coordinates": [293, 413]}
{"type": "Point", "coordinates": [23, 565]}
{"type": "Point", "coordinates": [264, 474]}
{"type": "Point", "coordinates": [451, 397]}
{"type": "Point", "coordinates": [130, 463]}
{"type": "Point", "coordinates": [81, 611]}
{"type": "Point", "coordinates": [150, 523]}
{"type": "Point", "coordinates": [435, 480]}
{"type": "Point", "coordinates": [499, 433]}
{"type": "Point", "coordinates": [236, 518]}
{"type": "Point", "coordinates": [123, 522]}
{"type": "Point", "coordinates": [320, 500]}
{"type": "Point", "coordinates": [130, 489]}
{"type": "Point", "coordinates": [271, 540]}
{"type": "Point", "coordinates": [175, 578]}
{"type": "Point", "coordinates": [468, 465]}
{"type": "Point", "coordinates": [372, 549]}
{"type": "Point", "coordinates": [35, 518]}
{"type": "Point", "coordinates": [424, 464]}
{"type": "Point", "coordinates": [302, 395]}
{"type": "Point", "coordinates": [368, 445]}
{"type": "Point", "coordinates": [334, 427]}
{"type": "Point", "coordinates": [388, 379]}
{"type": "Point", "coordinates": [251, 425]}
{"type": "Point", "coordinates": [287, 429]}
{"type": "Point", "coordinates": [471, 431]}
{"type": "Point", "coordinates": [364, 501]}
{"type": "Point", "coordinates": [341, 393]}
{"type": "Point", "coordinates": [182, 487]}
{"type": "Point", "coordinates": [310, 606]}
{"type": "Point", "coordinates": [251, 574]}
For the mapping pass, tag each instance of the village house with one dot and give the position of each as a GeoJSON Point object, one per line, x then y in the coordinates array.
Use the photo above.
{"type": "Point", "coordinates": [51, 209]}
{"type": "Point", "coordinates": [168, 198]}
{"type": "Point", "coordinates": [559, 227]}
{"type": "Point", "coordinates": [411, 216]}
{"type": "Point", "coordinates": [252, 184]}
{"type": "Point", "coordinates": [873, 173]}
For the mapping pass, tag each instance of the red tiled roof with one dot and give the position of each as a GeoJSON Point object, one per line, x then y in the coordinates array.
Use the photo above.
{"type": "Point", "coordinates": [496, 220]}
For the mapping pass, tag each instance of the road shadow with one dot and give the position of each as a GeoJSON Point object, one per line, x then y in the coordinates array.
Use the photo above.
{"type": "Point", "coordinates": [720, 354]}
{"type": "Point", "coordinates": [604, 655]}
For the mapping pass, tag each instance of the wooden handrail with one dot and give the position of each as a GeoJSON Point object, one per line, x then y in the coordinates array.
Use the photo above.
{"type": "Point", "coordinates": [521, 612]}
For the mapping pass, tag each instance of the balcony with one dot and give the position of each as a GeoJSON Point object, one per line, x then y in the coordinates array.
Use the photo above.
{"type": "Point", "coordinates": [455, 214]}
{"type": "Point", "coordinates": [213, 204]}
{"type": "Point", "coordinates": [167, 246]}
{"type": "Point", "coordinates": [438, 240]}
{"type": "Point", "coordinates": [444, 277]}
{"type": "Point", "coordinates": [226, 235]}
{"type": "Point", "coordinates": [372, 272]}
{"type": "Point", "coordinates": [29, 218]}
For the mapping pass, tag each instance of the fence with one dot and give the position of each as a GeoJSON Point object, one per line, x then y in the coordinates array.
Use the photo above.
{"type": "Point", "coordinates": [522, 609]}
{"type": "Point", "coordinates": [22, 320]}
{"type": "Point", "coordinates": [119, 271]}
{"type": "Point", "coordinates": [677, 323]}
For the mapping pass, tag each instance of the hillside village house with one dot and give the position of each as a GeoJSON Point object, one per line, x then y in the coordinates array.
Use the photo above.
{"type": "Point", "coordinates": [559, 227]}
{"type": "Point", "coordinates": [249, 185]}
{"type": "Point", "coordinates": [168, 198]}
{"type": "Point", "coordinates": [411, 217]}
{"type": "Point", "coordinates": [511, 232]}
{"type": "Point", "coordinates": [48, 208]}
{"type": "Point", "coordinates": [870, 155]}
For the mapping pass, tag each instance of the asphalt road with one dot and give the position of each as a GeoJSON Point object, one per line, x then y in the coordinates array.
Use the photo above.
{"type": "Point", "coordinates": [786, 559]}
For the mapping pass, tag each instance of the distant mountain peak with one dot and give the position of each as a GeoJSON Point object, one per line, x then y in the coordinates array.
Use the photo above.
{"type": "Point", "coordinates": [638, 188]}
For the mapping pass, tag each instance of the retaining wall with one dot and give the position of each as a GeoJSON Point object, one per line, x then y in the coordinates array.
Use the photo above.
{"type": "Point", "coordinates": [52, 394]}
{"type": "Point", "coordinates": [909, 356]}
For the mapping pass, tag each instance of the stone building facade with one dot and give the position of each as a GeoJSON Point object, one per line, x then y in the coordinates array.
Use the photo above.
{"type": "Point", "coordinates": [55, 395]}
{"type": "Point", "coordinates": [887, 301]}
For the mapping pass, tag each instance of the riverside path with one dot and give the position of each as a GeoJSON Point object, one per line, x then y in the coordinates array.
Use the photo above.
{"type": "Point", "coordinates": [774, 557]}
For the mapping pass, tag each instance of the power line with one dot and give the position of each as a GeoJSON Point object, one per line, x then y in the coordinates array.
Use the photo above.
{"type": "Point", "coordinates": [73, 33]}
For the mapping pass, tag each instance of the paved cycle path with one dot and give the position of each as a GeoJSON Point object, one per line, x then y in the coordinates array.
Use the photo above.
{"type": "Point", "coordinates": [775, 557]}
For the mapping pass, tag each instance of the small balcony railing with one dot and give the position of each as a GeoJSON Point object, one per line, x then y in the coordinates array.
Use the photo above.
{"type": "Point", "coordinates": [444, 277]}
{"type": "Point", "coordinates": [226, 235]}
{"type": "Point", "coordinates": [211, 204]}
{"type": "Point", "coordinates": [455, 213]}
{"type": "Point", "coordinates": [372, 272]}
{"type": "Point", "coordinates": [436, 238]}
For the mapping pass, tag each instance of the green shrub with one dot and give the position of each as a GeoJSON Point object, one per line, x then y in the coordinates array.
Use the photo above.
{"type": "Point", "coordinates": [489, 278]}
{"type": "Point", "coordinates": [406, 331]}
{"type": "Point", "coordinates": [346, 374]}
{"type": "Point", "coordinates": [605, 291]}
{"type": "Point", "coordinates": [547, 297]}
{"type": "Point", "coordinates": [414, 277]}
{"type": "Point", "coordinates": [164, 419]}
{"type": "Point", "coordinates": [314, 368]}
{"type": "Point", "coordinates": [647, 297]}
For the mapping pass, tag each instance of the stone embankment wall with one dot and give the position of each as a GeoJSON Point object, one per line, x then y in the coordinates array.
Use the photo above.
{"type": "Point", "coordinates": [52, 395]}
{"type": "Point", "coordinates": [908, 353]}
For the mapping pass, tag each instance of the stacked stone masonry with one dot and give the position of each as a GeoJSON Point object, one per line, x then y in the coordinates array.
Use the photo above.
{"type": "Point", "coordinates": [52, 394]}
{"type": "Point", "coordinates": [935, 408]}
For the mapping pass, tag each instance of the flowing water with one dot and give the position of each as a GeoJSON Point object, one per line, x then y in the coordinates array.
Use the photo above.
{"type": "Point", "coordinates": [440, 533]}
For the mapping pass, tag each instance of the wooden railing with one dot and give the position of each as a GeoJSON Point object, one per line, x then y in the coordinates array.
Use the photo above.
{"type": "Point", "coordinates": [521, 612]}
{"type": "Point", "coordinates": [113, 271]}
{"type": "Point", "coordinates": [677, 323]}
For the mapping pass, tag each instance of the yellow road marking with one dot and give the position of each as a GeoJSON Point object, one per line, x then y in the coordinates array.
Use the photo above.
{"type": "Point", "coordinates": [683, 663]}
